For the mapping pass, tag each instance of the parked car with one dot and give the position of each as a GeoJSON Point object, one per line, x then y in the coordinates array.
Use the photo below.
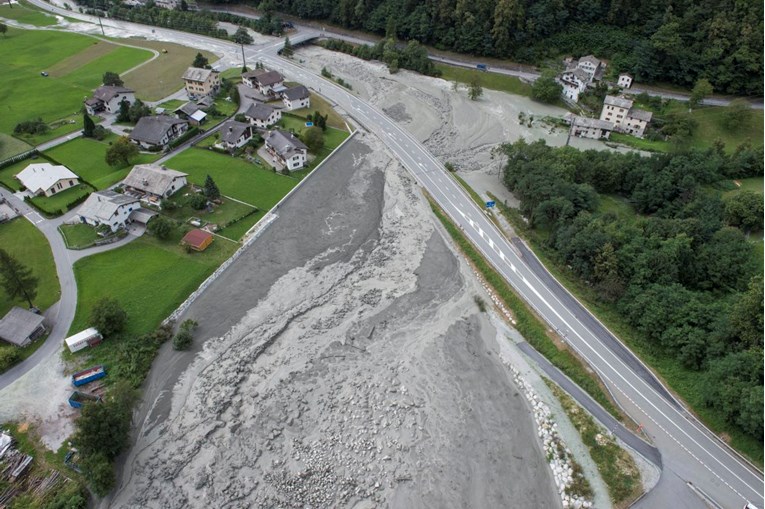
{"type": "Point", "coordinates": [44, 74]}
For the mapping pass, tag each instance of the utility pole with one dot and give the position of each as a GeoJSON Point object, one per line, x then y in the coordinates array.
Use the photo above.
{"type": "Point", "coordinates": [101, 25]}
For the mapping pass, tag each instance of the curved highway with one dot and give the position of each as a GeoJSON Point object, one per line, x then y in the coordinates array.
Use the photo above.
{"type": "Point", "coordinates": [690, 453]}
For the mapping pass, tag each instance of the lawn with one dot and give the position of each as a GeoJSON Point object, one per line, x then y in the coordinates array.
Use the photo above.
{"type": "Point", "coordinates": [25, 94]}
{"type": "Point", "coordinates": [162, 76]}
{"type": "Point", "coordinates": [171, 105]}
{"type": "Point", "coordinates": [641, 144]}
{"type": "Point", "coordinates": [332, 139]}
{"type": "Point", "coordinates": [10, 146]}
{"type": "Point", "coordinates": [620, 207]}
{"type": "Point", "coordinates": [235, 177]}
{"type": "Point", "coordinates": [754, 184]}
{"type": "Point", "coordinates": [78, 236]}
{"type": "Point", "coordinates": [148, 277]}
{"type": "Point", "coordinates": [61, 202]}
{"type": "Point", "coordinates": [229, 211]}
{"type": "Point", "coordinates": [24, 13]}
{"type": "Point", "coordinates": [319, 104]}
{"type": "Point", "coordinates": [23, 241]}
{"type": "Point", "coordinates": [491, 80]}
{"type": "Point", "coordinates": [87, 158]}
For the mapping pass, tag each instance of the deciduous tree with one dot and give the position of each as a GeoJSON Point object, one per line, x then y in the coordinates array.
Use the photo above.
{"type": "Point", "coordinates": [200, 61]}
{"type": "Point", "coordinates": [108, 316]}
{"type": "Point", "coordinates": [112, 78]}
{"type": "Point", "coordinates": [121, 152]}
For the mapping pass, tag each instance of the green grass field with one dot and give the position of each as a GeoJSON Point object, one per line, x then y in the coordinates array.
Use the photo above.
{"type": "Point", "coordinates": [86, 158]}
{"type": "Point", "coordinates": [237, 178]}
{"type": "Point", "coordinates": [162, 76]}
{"type": "Point", "coordinates": [754, 184]}
{"type": "Point", "coordinates": [319, 104]}
{"type": "Point", "coordinates": [491, 80]}
{"type": "Point", "coordinates": [10, 146]}
{"type": "Point", "coordinates": [24, 13]}
{"type": "Point", "coordinates": [227, 212]}
{"type": "Point", "coordinates": [78, 236]}
{"type": "Point", "coordinates": [149, 278]}
{"type": "Point", "coordinates": [25, 94]}
{"type": "Point", "coordinates": [23, 241]}
{"type": "Point", "coordinates": [172, 105]}
{"type": "Point", "coordinates": [59, 203]}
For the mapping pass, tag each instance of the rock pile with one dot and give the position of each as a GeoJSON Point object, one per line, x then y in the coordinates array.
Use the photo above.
{"type": "Point", "coordinates": [558, 456]}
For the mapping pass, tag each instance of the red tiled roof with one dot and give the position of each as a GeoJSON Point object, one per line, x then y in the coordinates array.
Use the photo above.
{"type": "Point", "coordinates": [196, 238]}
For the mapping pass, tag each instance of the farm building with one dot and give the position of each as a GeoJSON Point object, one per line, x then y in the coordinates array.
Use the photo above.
{"type": "Point", "coordinates": [20, 327]}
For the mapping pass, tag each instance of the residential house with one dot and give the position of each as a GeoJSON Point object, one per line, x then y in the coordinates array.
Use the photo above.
{"type": "Point", "coordinates": [156, 181]}
{"type": "Point", "coordinates": [47, 179]}
{"type": "Point", "coordinates": [198, 240]}
{"type": "Point", "coordinates": [266, 82]}
{"type": "Point", "coordinates": [192, 113]}
{"type": "Point", "coordinates": [289, 151]}
{"type": "Point", "coordinates": [626, 119]}
{"type": "Point", "coordinates": [592, 66]}
{"type": "Point", "coordinates": [108, 98]}
{"type": "Point", "coordinates": [201, 82]}
{"type": "Point", "coordinates": [574, 81]}
{"type": "Point", "coordinates": [262, 115]}
{"type": "Point", "coordinates": [155, 132]}
{"type": "Point", "coordinates": [296, 97]}
{"type": "Point", "coordinates": [20, 327]}
{"type": "Point", "coordinates": [625, 80]}
{"type": "Point", "coordinates": [109, 208]}
{"type": "Point", "coordinates": [234, 135]}
{"type": "Point", "coordinates": [205, 102]}
{"type": "Point", "coordinates": [594, 128]}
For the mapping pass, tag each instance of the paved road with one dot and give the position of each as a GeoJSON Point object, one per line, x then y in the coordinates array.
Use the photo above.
{"type": "Point", "coordinates": [690, 452]}
{"type": "Point", "coordinates": [62, 312]}
{"type": "Point", "coordinates": [685, 445]}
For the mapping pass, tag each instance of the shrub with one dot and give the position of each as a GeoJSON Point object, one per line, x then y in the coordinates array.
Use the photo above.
{"type": "Point", "coordinates": [161, 227]}
{"type": "Point", "coordinates": [36, 126]}
{"type": "Point", "coordinates": [198, 202]}
{"type": "Point", "coordinates": [185, 336]}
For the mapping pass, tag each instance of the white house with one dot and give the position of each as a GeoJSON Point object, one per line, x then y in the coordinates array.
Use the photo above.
{"type": "Point", "coordinates": [627, 119]}
{"type": "Point", "coordinates": [155, 132]}
{"type": "Point", "coordinates": [262, 115]}
{"type": "Point", "coordinates": [574, 81]}
{"type": "Point", "coordinates": [296, 97]}
{"type": "Point", "coordinates": [590, 65]}
{"type": "Point", "coordinates": [47, 179]}
{"type": "Point", "coordinates": [266, 82]}
{"type": "Point", "coordinates": [154, 180]}
{"type": "Point", "coordinates": [286, 149]}
{"type": "Point", "coordinates": [109, 208]}
{"type": "Point", "coordinates": [234, 135]}
{"type": "Point", "coordinates": [625, 80]}
{"type": "Point", "coordinates": [108, 98]}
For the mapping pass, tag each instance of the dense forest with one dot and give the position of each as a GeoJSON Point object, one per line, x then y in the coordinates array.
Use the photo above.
{"type": "Point", "coordinates": [677, 265]}
{"type": "Point", "coordinates": [676, 41]}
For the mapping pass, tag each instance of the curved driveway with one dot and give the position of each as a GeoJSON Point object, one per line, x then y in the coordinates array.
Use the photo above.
{"type": "Point", "coordinates": [690, 452]}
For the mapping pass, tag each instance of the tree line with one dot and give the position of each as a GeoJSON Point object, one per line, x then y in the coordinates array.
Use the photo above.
{"type": "Point", "coordinates": [678, 42]}
{"type": "Point", "coordinates": [413, 56]}
{"type": "Point", "coordinates": [678, 266]}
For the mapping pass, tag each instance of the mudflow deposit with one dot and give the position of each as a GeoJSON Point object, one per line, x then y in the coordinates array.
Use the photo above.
{"type": "Point", "coordinates": [347, 365]}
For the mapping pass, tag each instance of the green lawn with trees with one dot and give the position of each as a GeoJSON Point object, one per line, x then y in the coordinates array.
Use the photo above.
{"type": "Point", "coordinates": [86, 157]}
{"type": "Point", "coordinates": [677, 279]}
{"type": "Point", "coordinates": [148, 277]}
{"type": "Point", "coordinates": [20, 239]}
{"type": "Point", "coordinates": [27, 95]}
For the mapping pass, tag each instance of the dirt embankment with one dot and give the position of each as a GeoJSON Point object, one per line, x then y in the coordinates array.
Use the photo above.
{"type": "Point", "coordinates": [355, 371]}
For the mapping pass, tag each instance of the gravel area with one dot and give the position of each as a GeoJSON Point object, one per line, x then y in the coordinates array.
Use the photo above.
{"type": "Point", "coordinates": [351, 369]}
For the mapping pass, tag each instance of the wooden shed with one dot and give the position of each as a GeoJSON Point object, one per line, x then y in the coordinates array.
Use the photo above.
{"type": "Point", "coordinates": [198, 240]}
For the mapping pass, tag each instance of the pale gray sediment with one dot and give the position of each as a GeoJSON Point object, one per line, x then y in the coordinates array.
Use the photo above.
{"type": "Point", "coordinates": [347, 366]}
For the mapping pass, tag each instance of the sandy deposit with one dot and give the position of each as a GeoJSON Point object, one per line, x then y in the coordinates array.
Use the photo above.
{"type": "Point", "coordinates": [364, 377]}
{"type": "Point", "coordinates": [453, 127]}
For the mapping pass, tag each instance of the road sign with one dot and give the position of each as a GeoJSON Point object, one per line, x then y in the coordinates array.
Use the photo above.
{"type": "Point", "coordinates": [490, 204]}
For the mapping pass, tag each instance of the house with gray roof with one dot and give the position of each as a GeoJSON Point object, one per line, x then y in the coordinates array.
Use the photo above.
{"type": "Point", "coordinates": [593, 128]}
{"type": "Point", "coordinates": [108, 208]}
{"type": "Point", "coordinates": [155, 132]}
{"type": "Point", "coordinates": [201, 82]}
{"type": "Point", "coordinates": [626, 119]}
{"type": "Point", "coordinates": [266, 82]}
{"type": "Point", "coordinates": [262, 115]}
{"type": "Point", "coordinates": [234, 135]}
{"type": "Point", "coordinates": [155, 181]}
{"type": "Point", "coordinates": [20, 327]}
{"type": "Point", "coordinates": [286, 149]}
{"type": "Point", "coordinates": [296, 97]}
{"type": "Point", "coordinates": [107, 99]}
{"type": "Point", "coordinates": [191, 112]}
